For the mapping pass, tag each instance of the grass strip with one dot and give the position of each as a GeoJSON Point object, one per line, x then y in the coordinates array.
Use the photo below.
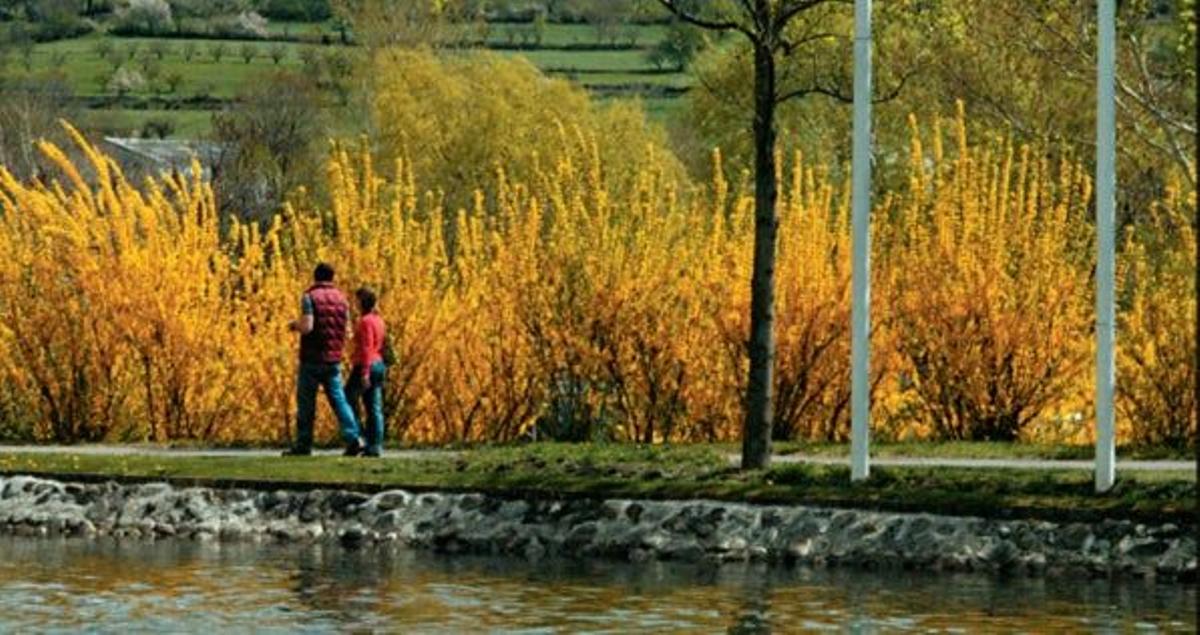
{"type": "Point", "coordinates": [620, 471]}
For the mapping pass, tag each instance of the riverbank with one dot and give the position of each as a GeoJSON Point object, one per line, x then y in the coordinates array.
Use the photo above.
{"type": "Point", "coordinates": [557, 471]}
{"type": "Point", "coordinates": [613, 528]}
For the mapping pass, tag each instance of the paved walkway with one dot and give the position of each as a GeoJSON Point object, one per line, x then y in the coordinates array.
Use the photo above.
{"type": "Point", "coordinates": [155, 450]}
{"type": "Point", "coordinates": [1023, 464]}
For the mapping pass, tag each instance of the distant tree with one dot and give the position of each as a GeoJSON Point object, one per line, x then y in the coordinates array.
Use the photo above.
{"type": "Point", "coordinates": [297, 10]}
{"type": "Point", "coordinates": [338, 67]}
{"type": "Point", "coordinates": [152, 71]}
{"type": "Point", "coordinates": [539, 28]}
{"type": "Point", "coordinates": [157, 128]}
{"type": "Point", "coordinates": [27, 50]}
{"type": "Point", "coordinates": [678, 47]}
{"type": "Point", "coordinates": [144, 17]}
{"type": "Point", "coordinates": [160, 48]}
{"type": "Point", "coordinates": [385, 23]}
{"type": "Point", "coordinates": [31, 110]}
{"type": "Point", "coordinates": [269, 144]}
{"type": "Point", "coordinates": [277, 52]}
{"type": "Point", "coordinates": [21, 38]}
{"type": "Point", "coordinates": [606, 18]}
{"type": "Point", "coordinates": [250, 23]}
{"type": "Point", "coordinates": [189, 50]}
{"type": "Point", "coordinates": [103, 48]}
{"type": "Point", "coordinates": [217, 50]}
{"type": "Point", "coordinates": [248, 52]}
{"type": "Point", "coordinates": [481, 28]}
{"type": "Point", "coordinates": [55, 19]}
{"type": "Point", "coordinates": [130, 51]}
{"type": "Point", "coordinates": [173, 81]}
{"type": "Point", "coordinates": [310, 58]}
{"type": "Point", "coordinates": [125, 81]}
{"type": "Point", "coordinates": [630, 33]}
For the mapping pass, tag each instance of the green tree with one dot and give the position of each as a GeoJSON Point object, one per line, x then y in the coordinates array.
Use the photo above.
{"type": "Point", "coordinates": [269, 144]}
{"type": "Point", "coordinates": [678, 47]}
{"type": "Point", "coordinates": [773, 30]}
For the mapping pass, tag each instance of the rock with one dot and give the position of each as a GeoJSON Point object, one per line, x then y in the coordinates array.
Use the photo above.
{"type": "Point", "coordinates": [694, 531]}
{"type": "Point", "coordinates": [352, 536]}
{"type": "Point", "coordinates": [389, 521]}
{"type": "Point", "coordinates": [1141, 547]}
{"type": "Point", "coordinates": [1076, 536]}
{"type": "Point", "coordinates": [580, 536]}
{"type": "Point", "coordinates": [633, 511]}
{"type": "Point", "coordinates": [346, 504]}
{"type": "Point", "coordinates": [512, 511]}
{"type": "Point", "coordinates": [387, 501]}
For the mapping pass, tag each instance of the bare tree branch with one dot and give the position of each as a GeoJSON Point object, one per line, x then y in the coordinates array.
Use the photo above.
{"type": "Point", "coordinates": [835, 92]}
{"type": "Point", "coordinates": [712, 25]}
{"type": "Point", "coordinates": [793, 9]}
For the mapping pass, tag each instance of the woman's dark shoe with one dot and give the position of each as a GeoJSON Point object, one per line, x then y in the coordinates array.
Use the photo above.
{"type": "Point", "coordinates": [373, 453]}
{"type": "Point", "coordinates": [295, 451]}
{"type": "Point", "coordinates": [355, 449]}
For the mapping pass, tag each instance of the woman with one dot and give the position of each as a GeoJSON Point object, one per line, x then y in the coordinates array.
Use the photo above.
{"type": "Point", "coordinates": [369, 371]}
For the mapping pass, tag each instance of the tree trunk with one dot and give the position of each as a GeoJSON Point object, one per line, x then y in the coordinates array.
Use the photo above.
{"type": "Point", "coordinates": [760, 402]}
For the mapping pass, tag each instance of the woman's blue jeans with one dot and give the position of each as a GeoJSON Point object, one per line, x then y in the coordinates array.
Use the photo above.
{"type": "Point", "coordinates": [329, 377]}
{"type": "Point", "coordinates": [372, 403]}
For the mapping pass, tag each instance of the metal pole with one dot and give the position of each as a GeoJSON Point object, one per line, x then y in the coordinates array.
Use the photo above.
{"type": "Point", "coordinates": [860, 319]}
{"type": "Point", "coordinates": [1106, 182]}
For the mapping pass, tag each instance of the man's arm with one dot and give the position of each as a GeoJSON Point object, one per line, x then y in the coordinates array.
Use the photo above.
{"type": "Point", "coordinates": [304, 325]}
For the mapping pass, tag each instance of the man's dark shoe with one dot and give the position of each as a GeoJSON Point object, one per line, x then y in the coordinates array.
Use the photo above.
{"type": "Point", "coordinates": [354, 449]}
{"type": "Point", "coordinates": [373, 453]}
{"type": "Point", "coordinates": [295, 451]}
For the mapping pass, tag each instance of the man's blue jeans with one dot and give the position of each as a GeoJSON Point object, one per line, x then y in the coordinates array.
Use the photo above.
{"type": "Point", "coordinates": [372, 403]}
{"type": "Point", "coordinates": [329, 377]}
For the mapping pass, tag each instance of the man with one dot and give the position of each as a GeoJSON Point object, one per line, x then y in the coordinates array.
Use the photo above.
{"type": "Point", "coordinates": [323, 325]}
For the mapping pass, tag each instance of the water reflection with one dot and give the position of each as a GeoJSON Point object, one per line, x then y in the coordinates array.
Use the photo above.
{"type": "Point", "coordinates": [68, 585]}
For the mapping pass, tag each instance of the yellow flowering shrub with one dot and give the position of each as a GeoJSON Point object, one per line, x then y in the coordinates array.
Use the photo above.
{"type": "Point", "coordinates": [989, 261]}
{"type": "Point", "coordinates": [559, 305]}
{"type": "Point", "coordinates": [1156, 330]}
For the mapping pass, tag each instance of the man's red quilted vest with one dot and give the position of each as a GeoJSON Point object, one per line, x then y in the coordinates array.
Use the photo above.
{"type": "Point", "coordinates": [324, 344]}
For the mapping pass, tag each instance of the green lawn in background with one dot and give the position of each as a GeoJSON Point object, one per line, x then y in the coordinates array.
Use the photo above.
{"type": "Point", "coordinates": [574, 34]}
{"type": "Point", "coordinates": [611, 61]}
{"type": "Point", "coordinates": [186, 124]}
{"type": "Point", "coordinates": [88, 74]}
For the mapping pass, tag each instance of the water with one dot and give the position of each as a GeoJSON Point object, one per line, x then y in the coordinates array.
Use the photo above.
{"type": "Point", "coordinates": [51, 585]}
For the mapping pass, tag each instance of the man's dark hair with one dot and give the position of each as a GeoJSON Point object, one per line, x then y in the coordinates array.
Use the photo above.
{"type": "Point", "coordinates": [366, 297]}
{"type": "Point", "coordinates": [323, 272]}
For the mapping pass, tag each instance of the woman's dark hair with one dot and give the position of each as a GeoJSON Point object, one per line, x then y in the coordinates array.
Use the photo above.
{"type": "Point", "coordinates": [323, 272]}
{"type": "Point", "coordinates": [366, 297]}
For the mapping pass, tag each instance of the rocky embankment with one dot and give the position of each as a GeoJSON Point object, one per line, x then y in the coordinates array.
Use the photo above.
{"type": "Point", "coordinates": [622, 529]}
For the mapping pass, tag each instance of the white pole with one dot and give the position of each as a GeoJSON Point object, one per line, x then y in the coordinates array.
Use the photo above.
{"type": "Point", "coordinates": [860, 319]}
{"type": "Point", "coordinates": [1106, 182]}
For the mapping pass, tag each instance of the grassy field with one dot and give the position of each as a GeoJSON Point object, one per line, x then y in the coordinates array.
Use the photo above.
{"type": "Point", "coordinates": [88, 74]}
{"type": "Point", "coordinates": [555, 470]}
{"type": "Point", "coordinates": [576, 35]}
{"type": "Point", "coordinates": [185, 124]}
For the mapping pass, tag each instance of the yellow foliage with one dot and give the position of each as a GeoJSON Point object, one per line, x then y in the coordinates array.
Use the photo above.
{"type": "Point", "coordinates": [574, 302]}
{"type": "Point", "coordinates": [988, 262]}
{"type": "Point", "coordinates": [461, 117]}
{"type": "Point", "coordinates": [1156, 332]}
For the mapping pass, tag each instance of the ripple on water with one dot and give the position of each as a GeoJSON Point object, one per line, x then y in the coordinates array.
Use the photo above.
{"type": "Point", "coordinates": [53, 585]}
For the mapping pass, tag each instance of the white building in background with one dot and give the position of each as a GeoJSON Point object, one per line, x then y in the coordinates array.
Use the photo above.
{"type": "Point", "coordinates": [140, 158]}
